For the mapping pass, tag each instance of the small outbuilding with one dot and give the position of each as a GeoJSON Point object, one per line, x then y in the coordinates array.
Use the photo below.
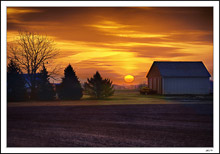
{"type": "Point", "coordinates": [174, 78]}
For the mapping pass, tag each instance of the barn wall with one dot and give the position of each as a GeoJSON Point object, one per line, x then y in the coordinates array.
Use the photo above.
{"type": "Point", "coordinates": [155, 80]}
{"type": "Point", "coordinates": [150, 83]}
{"type": "Point", "coordinates": [186, 86]}
{"type": "Point", "coordinates": [155, 83]}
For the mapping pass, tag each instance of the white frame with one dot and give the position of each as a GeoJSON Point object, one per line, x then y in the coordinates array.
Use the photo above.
{"type": "Point", "coordinates": [6, 4]}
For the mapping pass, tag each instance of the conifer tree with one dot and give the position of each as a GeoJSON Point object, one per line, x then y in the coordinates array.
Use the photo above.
{"type": "Point", "coordinates": [99, 88]}
{"type": "Point", "coordinates": [45, 91]}
{"type": "Point", "coordinates": [70, 88]}
{"type": "Point", "coordinates": [16, 90]}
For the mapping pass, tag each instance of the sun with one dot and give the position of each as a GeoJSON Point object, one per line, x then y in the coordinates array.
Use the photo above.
{"type": "Point", "coordinates": [129, 78]}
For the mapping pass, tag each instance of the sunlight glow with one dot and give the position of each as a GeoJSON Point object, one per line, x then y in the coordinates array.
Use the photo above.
{"type": "Point", "coordinates": [129, 78]}
{"type": "Point", "coordinates": [107, 41]}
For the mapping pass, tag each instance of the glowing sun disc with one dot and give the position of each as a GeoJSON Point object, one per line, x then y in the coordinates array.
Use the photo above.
{"type": "Point", "coordinates": [129, 78]}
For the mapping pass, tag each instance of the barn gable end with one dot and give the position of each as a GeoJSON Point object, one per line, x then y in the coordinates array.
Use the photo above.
{"type": "Point", "coordinates": [153, 72]}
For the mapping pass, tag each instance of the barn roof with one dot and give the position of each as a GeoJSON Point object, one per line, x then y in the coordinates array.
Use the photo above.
{"type": "Point", "coordinates": [181, 69]}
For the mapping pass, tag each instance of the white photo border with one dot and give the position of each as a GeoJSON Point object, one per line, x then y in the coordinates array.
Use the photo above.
{"type": "Point", "coordinates": [214, 4]}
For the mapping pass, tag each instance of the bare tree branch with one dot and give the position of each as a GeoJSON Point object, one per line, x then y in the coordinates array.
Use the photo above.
{"type": "Point", "coordinates": [31, 52]}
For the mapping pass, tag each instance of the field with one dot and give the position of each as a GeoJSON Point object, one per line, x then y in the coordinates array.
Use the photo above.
{"type": "Point", "coordinates": [125, 120]}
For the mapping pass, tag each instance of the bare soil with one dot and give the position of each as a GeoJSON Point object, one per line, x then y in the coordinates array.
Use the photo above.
{"type": "Point", "coordinates": [143, 125]}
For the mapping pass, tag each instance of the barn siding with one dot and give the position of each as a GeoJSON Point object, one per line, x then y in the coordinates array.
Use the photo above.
{"type": "Point", "coordinates": [155, 80]}
{"type": "Point", "coordinates": [185, 85]}
{"type": "Point", "coordinates": [155, 83]}
{"type": "Point", "coordinates": [150, 83]}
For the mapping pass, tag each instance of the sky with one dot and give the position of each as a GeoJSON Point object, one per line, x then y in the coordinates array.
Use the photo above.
{"type": "Point", "coordinates": [118, 41]}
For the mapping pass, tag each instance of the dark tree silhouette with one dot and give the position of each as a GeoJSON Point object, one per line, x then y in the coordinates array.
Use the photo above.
{"type": "Point", "coordinates": [99, 88]}
{"type": "Point", "coordinates": [70, 88]}
{"type": "Point", "coordinates": [45, 91]}
{"type": "Point", "coordinates": [16, 90]}
{"type": "Point", "coordinates": [30, 51]}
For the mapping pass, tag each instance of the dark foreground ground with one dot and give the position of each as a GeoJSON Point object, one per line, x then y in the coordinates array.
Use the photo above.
{"type": "Point", "coordinates": [150, 125]}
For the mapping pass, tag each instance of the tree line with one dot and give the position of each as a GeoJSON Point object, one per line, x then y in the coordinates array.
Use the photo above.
{"type": "Point", "coordinates": [29, 53]}
{"type": "Point", "coordinates": [69, 89]}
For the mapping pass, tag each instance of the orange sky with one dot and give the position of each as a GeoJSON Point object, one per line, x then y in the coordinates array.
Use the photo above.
{"type": "Point", "coordinates": [118, 41]}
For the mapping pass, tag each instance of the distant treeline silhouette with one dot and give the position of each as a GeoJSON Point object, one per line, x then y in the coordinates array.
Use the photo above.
{"type": "Point", "coordinates": [19, 89]}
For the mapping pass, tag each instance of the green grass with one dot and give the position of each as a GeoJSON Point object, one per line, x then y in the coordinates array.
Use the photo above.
{"type": "Point", "coordinates": [120, 97]}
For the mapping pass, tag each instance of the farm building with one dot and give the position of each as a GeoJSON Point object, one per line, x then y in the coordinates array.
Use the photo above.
{"type": "Point", "coordinates": [179, 78]}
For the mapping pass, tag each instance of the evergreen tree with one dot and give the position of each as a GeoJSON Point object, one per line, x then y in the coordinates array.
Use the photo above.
{"type": "Point", "coordinates": [99, 88]}
{"type": "Point", "coordinates": [45, 91]}
{"type": "Point", "coordinates": [16, 90]}
{"type": "Point", "coordinates": [70, 88]}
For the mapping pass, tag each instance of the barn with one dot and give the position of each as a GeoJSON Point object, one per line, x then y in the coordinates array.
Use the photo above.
{"type": "Point", "coordinates": [171, 78]}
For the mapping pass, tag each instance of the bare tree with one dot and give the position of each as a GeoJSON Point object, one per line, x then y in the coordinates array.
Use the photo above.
{"type": "Point", "coordinates": [31, 51]}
